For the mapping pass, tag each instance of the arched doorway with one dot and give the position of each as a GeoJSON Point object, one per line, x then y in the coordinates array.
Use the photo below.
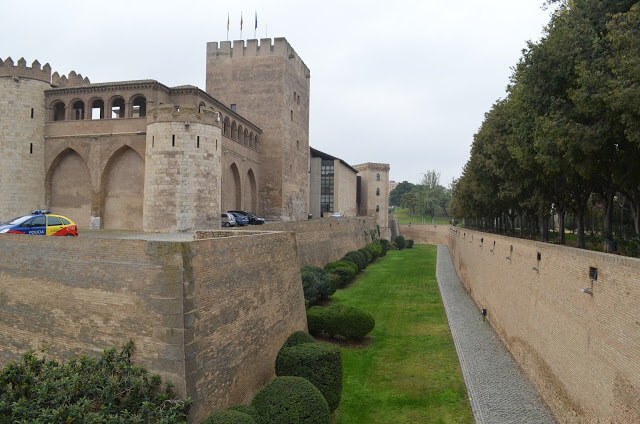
{"type": "Point", "coordinates": [123, 191]}
{"type": "Point", "coordinates": [251, 193]}
{"type": "Point", "coordinates": [231, 189]}
{"type": "Point", "coordinates": [69, 188]}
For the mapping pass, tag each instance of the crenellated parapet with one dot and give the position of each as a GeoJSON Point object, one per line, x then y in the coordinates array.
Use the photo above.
{"type": "Point", "coordinates": [73, 80]}
{"type": "Point", "coordinates": [262, 47]}
{"type": "Point", "coordinates": [21, 70]}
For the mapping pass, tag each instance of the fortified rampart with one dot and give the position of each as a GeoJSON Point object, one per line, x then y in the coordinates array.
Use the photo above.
{"type": "Point", "coordinates": [207, 311]}
{"type": "Point", "coordinates": [321, 241]}
{"type": "Point", "coordinates": [568, 316]}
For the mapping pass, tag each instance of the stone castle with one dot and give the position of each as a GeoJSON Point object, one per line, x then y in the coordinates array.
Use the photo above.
{"type": "Point", "coordinates": [139, 155]}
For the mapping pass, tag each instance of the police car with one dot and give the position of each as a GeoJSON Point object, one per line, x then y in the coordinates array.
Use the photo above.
{"type": "Point", "coordinates": [41, 222]}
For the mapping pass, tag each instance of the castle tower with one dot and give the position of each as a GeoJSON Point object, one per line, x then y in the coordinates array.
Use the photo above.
{"type": "Point", "coordinates": [22, 121]}
{"type": "Point", "coordinates": [374, 194]}
{"type": "Point", "coordinates": [182, 170]}
{"type": "Point", "coordinates": [269, 85]}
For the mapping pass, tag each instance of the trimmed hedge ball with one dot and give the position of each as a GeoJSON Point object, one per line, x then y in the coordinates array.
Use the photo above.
{"type": "Point", "coordinates": [345, 321]}
{"type": "Point", "coordinates": [290, 400]}
{"type": "Point", "coordinates": [320, 363]}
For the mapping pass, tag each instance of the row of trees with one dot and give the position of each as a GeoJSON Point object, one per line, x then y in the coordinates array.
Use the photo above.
{"type": "Point", "coordinates": [567, 134]}
{"type": "Point", "coordinates": [428, 198]}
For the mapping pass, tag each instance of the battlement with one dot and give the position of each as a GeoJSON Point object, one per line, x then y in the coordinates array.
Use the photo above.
{"type": "Point", "coordinates": [36, 72]}
{"type": "Point", "coordinates": [252, 48]}
{"type": "Point", "coordinates": [73, 80]}
{"type": "Point", "coordinates": [21, 70]}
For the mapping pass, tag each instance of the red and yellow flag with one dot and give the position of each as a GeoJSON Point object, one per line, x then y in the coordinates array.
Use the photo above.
{"type": "Point", "coordinates": [240, 21]}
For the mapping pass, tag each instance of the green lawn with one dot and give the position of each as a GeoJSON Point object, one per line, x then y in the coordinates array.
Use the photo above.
{"type": "Point", "coordinates": [410, 371]}
{"type": "Point", "coordinates": [405, 218]}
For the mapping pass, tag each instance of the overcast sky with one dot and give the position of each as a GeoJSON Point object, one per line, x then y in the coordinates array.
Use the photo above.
{"type": "Point", "coordinates": [399, 82]}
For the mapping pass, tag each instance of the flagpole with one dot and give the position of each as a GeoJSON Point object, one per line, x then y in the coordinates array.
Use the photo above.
{"type": "Point", "coordinates": [241, 25]}
{"type": "Point", "coordinates": [255, 27]}
{"type": "Point", "coordinates": [228, 21]}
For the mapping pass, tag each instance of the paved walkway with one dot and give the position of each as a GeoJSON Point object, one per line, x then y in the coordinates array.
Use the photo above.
{"type": "Point", "coordinates": [499, 392]}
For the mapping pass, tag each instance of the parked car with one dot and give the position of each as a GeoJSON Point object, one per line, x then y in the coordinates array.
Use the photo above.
{"type": "Point", "coordinates": [228, 220]}
{"type": "Point", "coordinates": [253, 218]}
{"type": "Point", "coordinates": [42, 223]}
{"type": "Point", "coordinates": [336, 214]}
{"type": "Point", "coordinates": [242, 220]}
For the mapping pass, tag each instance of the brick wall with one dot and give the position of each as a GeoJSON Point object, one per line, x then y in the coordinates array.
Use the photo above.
{"type": "Point", "coordinates": [431, 234]}
{"type": "Point", "coordinates": [581, 351]}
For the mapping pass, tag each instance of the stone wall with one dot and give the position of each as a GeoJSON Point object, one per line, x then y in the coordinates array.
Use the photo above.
{"type": "Point", "coordinates": [581, 350]}
{"type": "Point", "coordinates": [209, 315]}
{"type": "Point", "coordinates": [429, 234]}
{"type": "Point", "coordinates": [325, 240]}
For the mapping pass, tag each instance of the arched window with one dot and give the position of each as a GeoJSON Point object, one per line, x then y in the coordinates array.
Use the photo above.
{"type": "Point", "coordinates": [97, 109]}
{"type": "Point", "coordinates": [378, 177]}
{"type": "Point", "coordinates": [58, 111]}
{"type": "Point", "coordinates": [226, 128]}
{"type": "Point", "coordinates": [245, 137]}
{"type": "Point", "coordinates": [234, 131]}
{"type": "Point", "coordinates": [117, 108]}
{"type": "Point", "coordinates": [377, 192]}
{"type": "Point", "coordinates": [77, 110]}
{"type": "Point", "coordinates": [139, 107]}
{"type": "Point", "coordinates": [377, 208]}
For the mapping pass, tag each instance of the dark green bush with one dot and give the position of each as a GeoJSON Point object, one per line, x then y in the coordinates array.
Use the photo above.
{"type": "Point", "coordinates": [345, 274]}
{"type": "Point", "coordinates": [108, 389]}
{"type": "Point", "coordinates": [290, 400]}
{"type": "Point", "coordinates": [332, 265]}
{"type": "Point", "coordinates": [316, 284]}
{"type": "Point", "coordinates": [320, 363]}
{"type": "Point", "coordinates": [298, 337]}
{"type": "Point", "coordinates": [400, 242]}
{"type": "Point", "coordinates": [367, 253]}
{"type": "Point", "coordinates": [409, 243]}
{"type": "Point", "coordinates": [229, 416]}
{"type": "Point", "coordinates": [348, 322]}
{"type": "Point", "coordinates": [357, 258]}
{"type": "Point", "coordinates": [386, 246]}
{"type": "Point", "coordinates": [335, 280]}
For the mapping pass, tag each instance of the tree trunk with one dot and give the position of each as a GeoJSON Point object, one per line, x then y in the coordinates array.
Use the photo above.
{"type": "Point", "coordinates": [579, 218]}
{"type": "Point", "coordinates": [561, 215]}
{"type": "Point", "coordinates": [607, 215]}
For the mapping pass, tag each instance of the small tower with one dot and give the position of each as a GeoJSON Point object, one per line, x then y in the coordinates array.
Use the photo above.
{"type": "Point", "coordinates": [269, 85]}
{"type": "Point", "coordinates": [182, 170]}
{"type": "Point", "coordinates": [373, 179]}
{"type": "Point", "coordinates": [23, 114]}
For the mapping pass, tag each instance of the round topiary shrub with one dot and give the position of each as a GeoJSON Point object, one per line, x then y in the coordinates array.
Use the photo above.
{"type": "Point", "coordinates": [342, 263]}
{"type": "Point", "coordinates": [409, 243]}
{"type": "Point", "coordinates": [357, 258]}
{"type": "Point", "coordinates": [298, 337]}
{"type": "Point", "coordinates": [386, 246]}
{"type": "Point", "coordinates": [400, 242]}
{"type": "Point", "coordinates": [316, 283]}
{"type": "Point", "coordinates": [320, 363]}
{"type": "Point", "coordinates": [345, 274]}
{"type": "Point", "coordinates": [368, 254]}
{"type": "Point", "coordinates": [376, 248]}
{"type": "Point", "coordinates": [290, 400]}
{"type": "Point", "coordinates": [229, 416]}
{"type": "Point", "coordinates": [348, 322]}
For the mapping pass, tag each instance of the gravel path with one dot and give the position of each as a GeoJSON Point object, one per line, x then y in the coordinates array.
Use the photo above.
{"type": "Point", "coordinates": [498, 390]}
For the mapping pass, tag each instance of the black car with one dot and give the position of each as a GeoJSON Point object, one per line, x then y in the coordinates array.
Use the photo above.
{"type": "Point", "coordinates": [253, 218]}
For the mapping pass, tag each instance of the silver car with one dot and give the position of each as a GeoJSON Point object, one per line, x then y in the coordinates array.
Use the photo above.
{"type": "Point", "coordinates": [228, 220]}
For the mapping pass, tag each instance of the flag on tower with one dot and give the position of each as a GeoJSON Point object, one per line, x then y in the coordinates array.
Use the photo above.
{"type": "Point", "coordinates": [228, 22]}
{"type": "Point", "coordinates": [240, 21]}
{"type": "Point", "coordinates": [256, 25]}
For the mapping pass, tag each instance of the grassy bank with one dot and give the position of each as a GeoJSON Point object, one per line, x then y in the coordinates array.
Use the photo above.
{"type": "Point", "coordinates": [410, 372]}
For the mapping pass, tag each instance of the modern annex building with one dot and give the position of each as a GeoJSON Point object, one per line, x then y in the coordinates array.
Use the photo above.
{"type": "Point", "coordinates": [140, 155]}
